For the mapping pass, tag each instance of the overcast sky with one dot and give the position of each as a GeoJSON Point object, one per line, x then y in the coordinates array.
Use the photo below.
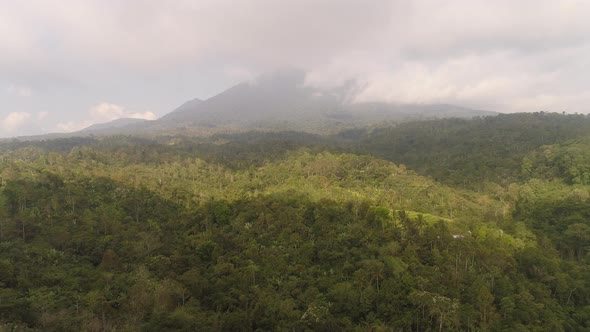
{"type": "Point", "coordinates": [70, 63]}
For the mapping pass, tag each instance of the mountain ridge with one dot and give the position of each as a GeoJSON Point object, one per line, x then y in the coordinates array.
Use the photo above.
{"type": "Point", "coordinates": [278, 101]}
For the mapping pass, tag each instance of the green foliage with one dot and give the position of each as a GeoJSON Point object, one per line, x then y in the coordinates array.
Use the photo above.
{"type": "Point", "coordinates": [469, 153]}
{"type": "Point", "coordinates": [569, 161]}
{"type": "Point", "coordinates": [282, 231]}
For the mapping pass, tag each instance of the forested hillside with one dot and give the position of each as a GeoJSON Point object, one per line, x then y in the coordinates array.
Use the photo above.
{"type": "Point", "coordinates": [442, 225]}
{"type": "Point", "coordinates": [469, 153]}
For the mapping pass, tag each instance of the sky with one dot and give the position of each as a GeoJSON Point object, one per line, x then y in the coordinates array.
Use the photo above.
{"type": "Point", "coordinates": [68, 64]}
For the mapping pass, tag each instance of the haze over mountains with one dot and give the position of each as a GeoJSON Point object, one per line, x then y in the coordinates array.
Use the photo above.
{"type": "Point", "coordinates": [278, 101]}
{"type": "Point", "coordinates": [311, 165]}
{"type": "Point", "coordinates": [283, 100]}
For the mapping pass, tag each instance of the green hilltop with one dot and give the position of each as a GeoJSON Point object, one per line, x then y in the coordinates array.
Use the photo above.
{"type": "Point", "coordinates": [450, 224]}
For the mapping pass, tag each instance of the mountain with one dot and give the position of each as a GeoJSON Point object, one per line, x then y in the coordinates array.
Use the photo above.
{"type": "Point", "coordinates": [188, 105]}
{"type": "Point", "coordinates": [275, 102]}
{"type": "Point", "coordinates": [116, 127]}
{"type": "Point", "coordinates": [283, 101]}
{"type": "Point", "coordinates": [112, 125]}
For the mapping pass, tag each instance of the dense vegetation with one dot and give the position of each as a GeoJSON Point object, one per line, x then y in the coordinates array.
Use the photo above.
{"type": "Point", "coordinates": [469, 153]}
{"type": "Point", "coordinates": [297, 232]}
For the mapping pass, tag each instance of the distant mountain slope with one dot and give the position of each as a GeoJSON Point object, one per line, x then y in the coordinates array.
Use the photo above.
{"type": "Point", "coordinates": [275, 102]}
{"type": "Point", "coordinates": [112, 125]}
{"type": "Point", "coordinates": [124, 126]}
{"type": "Point", "coordinates": [283, 101]}
{"type": "Point", "coordinates": [188, 105]}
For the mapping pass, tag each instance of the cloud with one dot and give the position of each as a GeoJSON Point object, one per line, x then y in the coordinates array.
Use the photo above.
{"type": "Point", "coordinates": [144, 115]}
{"type": "Point", "coordinates": [106, 111]}
{"type": "Point", "coordinates": [20, 91]}
{"type": "Point", "coordinates": [499, 80]}
{"type": "Point", "coordinates": [42, 115]}
{"type": "Point", "coordinates": [71, 126]}
{"type": "Point", "coordinates": [14, 120]}
{"type": "Point", "coordinates": [504, 55]}
{"type": "Point", "coordinates": [110, 112]}
{"type": "Point", "coordinates": [23, 123]}
{"type": "Point", "coordinates": [103, 112]}
{"type": "Point", "coordinates": [149, 33]}
{"type": "Point", "coordinates": [239, 73]}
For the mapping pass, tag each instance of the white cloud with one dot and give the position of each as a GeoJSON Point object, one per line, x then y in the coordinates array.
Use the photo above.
{"type": "Point", "coordinates": [504, 55]}
{"type": "Point", "coordinates": [150, 33]}
{"type": "Point", "coordinates": [504, 81]}
{"type": "Point", "coordinates": [103, 112]}
{"type": "Point", "coordinates": [13, 121]}
{"type": "Point", "coordinates": [145, 115]}
{"type": "Point", "coordinates": [239, 73]}
{"type": "Point", "coordinates": [20, 91]}
{"type": "Point", "coordinates": [71, 126]}
{"type": "Point", "coordinates": [23, 123]}
{"type": "Point", "coordinates": [42, 115]}
{"type": "Point", "coordinates": [106, 111]}
{"type": "Point", "coordinates": [110, 112]}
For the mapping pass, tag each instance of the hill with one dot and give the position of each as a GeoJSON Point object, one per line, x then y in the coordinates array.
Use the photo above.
{"type": "Point", "coordinates": [283, 101]}
{"type": "Point", "coordinates": [112, 127]}
{"type": "Point", "coordinates": [299, 231]}
{"type": "Point", "coordinates": [280, 101]}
